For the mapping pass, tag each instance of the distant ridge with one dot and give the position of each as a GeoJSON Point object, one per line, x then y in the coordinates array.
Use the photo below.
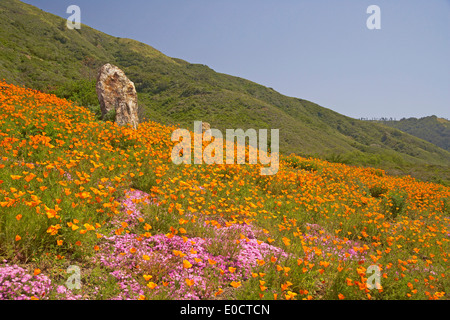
{"type": "Point", "coordinates": [432, 129]}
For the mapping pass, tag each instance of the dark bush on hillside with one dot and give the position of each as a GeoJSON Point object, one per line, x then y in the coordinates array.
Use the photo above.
{"type": "Point", "coordinates": [377, 191]}
{"type": "Point", "coordinates": [144, 182]}
{"type": "Point", "coordinates": [395, 202]}
{"type": "Point", "coordinates": [336, 158]}
{"type": "Point", "coordinates": [81, 92]}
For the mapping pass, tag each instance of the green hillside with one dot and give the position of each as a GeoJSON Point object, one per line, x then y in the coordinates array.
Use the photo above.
{"type": "Point", "coordinates": [432, 129]}
{"type": "Point", "coordinates": [38, 51]}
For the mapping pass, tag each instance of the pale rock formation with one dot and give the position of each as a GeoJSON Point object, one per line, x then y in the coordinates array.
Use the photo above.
{"type": "Point", "coordinates": [116, 92]}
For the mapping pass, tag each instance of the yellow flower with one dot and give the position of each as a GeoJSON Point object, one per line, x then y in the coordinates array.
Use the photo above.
{"type": "Point", "coordinates": [147, 277]}
{"type": "Point", "coordinates": [89, 227]}
{"type": "Point", "coordinates": [147, 227]}
{"type": "Point", "coordinates": [30, 177]}
{"type": "Point", "coordinates": [186, 264]}
{"type": "Point", "coordinates": [51, 213]}
{"type": "Point", "coordinates": [212, 262]}
{"type": "Point", "coordinates": [286, 241]}
{"type": "Point", "coordinates": [178, 253]}
{"type": "Point", "coordinates": [290, 295]}
{"type": "Point", "coordinates": [190, 282]}
{"type": "Point", "coordinates": [53, 229]}
{"type": "Point", "coordinates": [152, 285]}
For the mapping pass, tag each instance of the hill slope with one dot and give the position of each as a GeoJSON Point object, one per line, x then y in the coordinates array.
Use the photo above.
{"type": "Point", "coordinates": [38, 51]}
{"type": "Point", "coordinates": [432, 129]}
{"type": "Point", "coordinates": [75, 191]}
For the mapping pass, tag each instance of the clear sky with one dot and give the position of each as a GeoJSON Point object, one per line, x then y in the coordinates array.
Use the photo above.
{"type": "Point", "coordinates": [319, 50]}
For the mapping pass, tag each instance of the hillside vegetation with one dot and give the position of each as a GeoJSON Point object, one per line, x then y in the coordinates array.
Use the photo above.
{"type": "Point", "coordinates": [79, 192]}
{"type": "Point", "coordinates": [38, 51]}
{"type": "Point", "coordinates": [432, 129]}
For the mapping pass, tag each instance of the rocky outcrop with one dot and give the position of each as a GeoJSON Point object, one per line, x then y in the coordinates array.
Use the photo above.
{"type": "Point", "coordinates": [117, 94]}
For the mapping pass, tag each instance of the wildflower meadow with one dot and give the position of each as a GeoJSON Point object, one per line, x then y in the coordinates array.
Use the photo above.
{"type": "Point", "coordinates": [76, 191]}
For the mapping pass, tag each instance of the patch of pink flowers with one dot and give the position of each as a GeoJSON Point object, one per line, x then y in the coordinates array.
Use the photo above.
{"type": "Point", "coordinates": [210, 270]}
{"type": "Point", "coordinates": [17, 284]}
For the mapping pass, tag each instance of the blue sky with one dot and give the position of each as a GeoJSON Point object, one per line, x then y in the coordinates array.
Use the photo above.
{"type": "Point", "coordinates": [319, 50]}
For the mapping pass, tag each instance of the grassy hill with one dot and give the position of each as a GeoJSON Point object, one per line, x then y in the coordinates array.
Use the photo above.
{"type": "Point", "coordinates": [432, 129]}
{"type": "Point", "coordinates": [38, 51]}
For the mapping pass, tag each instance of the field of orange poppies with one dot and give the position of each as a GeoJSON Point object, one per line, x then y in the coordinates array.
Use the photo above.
{"type": "Point", "coordinates": [79, 192]}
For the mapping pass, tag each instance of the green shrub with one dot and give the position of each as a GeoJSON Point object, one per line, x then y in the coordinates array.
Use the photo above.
{"type": "Point", "coordinates": [82, 92]}
{"type": "Point", "coordinates": [336, 158]}
{"type": "Point", "coordinates": [377, 191]}
{"type": "Point", "coordinates": [110, 115]}
{"type": "Point", "coordinates": [395, 202]}
{"type": "Point", "coordinates": [144, 182]}
{"type": "Point", "coordinates": [95, 109]}
{"type": "Point", "coordinates": [295, 163]}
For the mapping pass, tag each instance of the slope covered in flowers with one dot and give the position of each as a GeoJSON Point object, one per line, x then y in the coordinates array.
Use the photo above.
{"type": "Point", "coordinates": [76, 191]}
